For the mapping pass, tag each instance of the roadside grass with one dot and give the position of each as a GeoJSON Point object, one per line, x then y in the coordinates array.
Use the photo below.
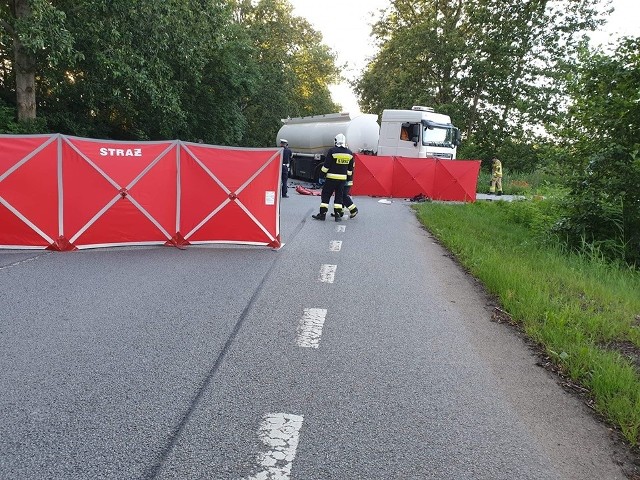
{"type": "Point", "coordinates": [578, 308]}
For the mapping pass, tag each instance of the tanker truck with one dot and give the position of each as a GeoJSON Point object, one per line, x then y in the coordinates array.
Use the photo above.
{"type": "Point", "coordinates": [416, 133]}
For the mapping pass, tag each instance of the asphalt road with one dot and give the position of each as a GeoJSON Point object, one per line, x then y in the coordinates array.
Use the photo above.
{"type": "Point", "coordinates": [359, 350]}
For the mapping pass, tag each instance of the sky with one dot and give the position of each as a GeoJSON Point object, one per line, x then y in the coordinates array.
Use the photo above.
{"type": "Point", "coordinates": [346, 28]}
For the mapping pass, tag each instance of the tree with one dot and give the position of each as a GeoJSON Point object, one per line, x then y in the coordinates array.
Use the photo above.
{"type": "Point", "coordinates": [295, 69]}
{"type": "Point", "coordinates": [224, 72]}
{"type": "Point", "coordinates": [494, 66]}
{"type": "Point", "coordinates": [152, 70]}
{"type": "Point", "coordinates": [603, 134]}
{"type": "Point", "coordinates": [38, 34]}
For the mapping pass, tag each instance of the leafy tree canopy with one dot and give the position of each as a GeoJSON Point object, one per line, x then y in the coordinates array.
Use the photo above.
{"type": "Point", "coordinates": [224, 72]}
{"type": "Point", "coordinates": [296, 68]}
{"type": "Point", "coordinates": [603, 132]}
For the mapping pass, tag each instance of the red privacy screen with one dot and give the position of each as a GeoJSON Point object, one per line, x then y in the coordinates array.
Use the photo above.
{"type": "Point", "coordinates": [398, 177]}
{"type": "Point", "coordinates": [63, 193]}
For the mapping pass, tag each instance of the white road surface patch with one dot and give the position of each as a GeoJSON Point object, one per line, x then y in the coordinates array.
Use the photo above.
{"type": "Point", "coordinates": [341, 228]}
{"type": "Point", "coordinates": [328, 273]}
{"type": "Point", "coordinates": [280, 433]}
{"type": "Point", "coordinates": [335, 245]}
{"type": "Point", "coordinates": [310, 327]}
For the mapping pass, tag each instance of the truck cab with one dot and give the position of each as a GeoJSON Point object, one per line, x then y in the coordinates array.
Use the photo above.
{"type": "Point", "coordinates": [418, 133]}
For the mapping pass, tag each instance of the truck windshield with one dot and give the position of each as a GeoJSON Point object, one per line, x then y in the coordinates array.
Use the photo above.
{"type": "Point", "coordinates": [437, 136]}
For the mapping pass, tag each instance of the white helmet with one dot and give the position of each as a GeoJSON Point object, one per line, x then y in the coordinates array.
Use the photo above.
{"type": "Point", "coordinates": [340, 140]}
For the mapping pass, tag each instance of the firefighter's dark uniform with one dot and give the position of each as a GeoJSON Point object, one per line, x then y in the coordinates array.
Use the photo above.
{"type": "Point", "coordinates": [338, 167]}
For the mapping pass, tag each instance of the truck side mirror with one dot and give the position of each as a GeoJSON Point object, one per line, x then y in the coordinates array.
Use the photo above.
{"type": "Point", "coordinates": [415, 133]}
{"type": "Point", "coordinates": [457, 137]}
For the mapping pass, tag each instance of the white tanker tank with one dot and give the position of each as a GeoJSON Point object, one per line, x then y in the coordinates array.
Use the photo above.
{"type": "Point", "coordinates": [310, 137]}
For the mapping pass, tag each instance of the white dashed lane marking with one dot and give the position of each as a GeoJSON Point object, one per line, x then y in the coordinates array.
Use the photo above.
{"type": "Point", "coordinates": [280, 433]}
{"type": "Point", "coordinates": [310, 327]}
{"type": "Point", "coordinates": [341, 228]}
{"type": "Point", "coordinates": [335, 245]}
{"type": "Point", "coordinates": [328, 273]}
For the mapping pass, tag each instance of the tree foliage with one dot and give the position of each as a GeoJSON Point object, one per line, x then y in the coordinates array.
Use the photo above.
{"type": "Point", "coordinates": [496, 67]}
{"type": "Point", "coordinates": [32, 33]}
{"type": "Point", "coordinates": [225, 72]}
{"type": "Point", "coordinates": [296, 69]}
{"type": "Point", "coordinates": [603, 125]}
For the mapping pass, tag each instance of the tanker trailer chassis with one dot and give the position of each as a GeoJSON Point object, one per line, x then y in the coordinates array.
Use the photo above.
{"type": "Point", "coordinates": [306, 167]}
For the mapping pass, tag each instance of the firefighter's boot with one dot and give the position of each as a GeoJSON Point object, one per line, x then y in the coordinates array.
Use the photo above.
{"type": "Point", "coordinates": [320, 216]}
{"type": "Point", "coordinates": [353, 213]}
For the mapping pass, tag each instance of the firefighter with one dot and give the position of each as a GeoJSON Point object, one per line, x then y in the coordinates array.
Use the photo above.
{"type": "Point", "coordinates": [286, 159]}
{"type": "Point", "coordinates": [338, 167]}
{"type": "Point", "coordinates": [496, 177]}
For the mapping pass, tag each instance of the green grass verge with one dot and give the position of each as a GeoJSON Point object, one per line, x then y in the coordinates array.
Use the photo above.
{"type": "Point", "coordinates": [576, 308]}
